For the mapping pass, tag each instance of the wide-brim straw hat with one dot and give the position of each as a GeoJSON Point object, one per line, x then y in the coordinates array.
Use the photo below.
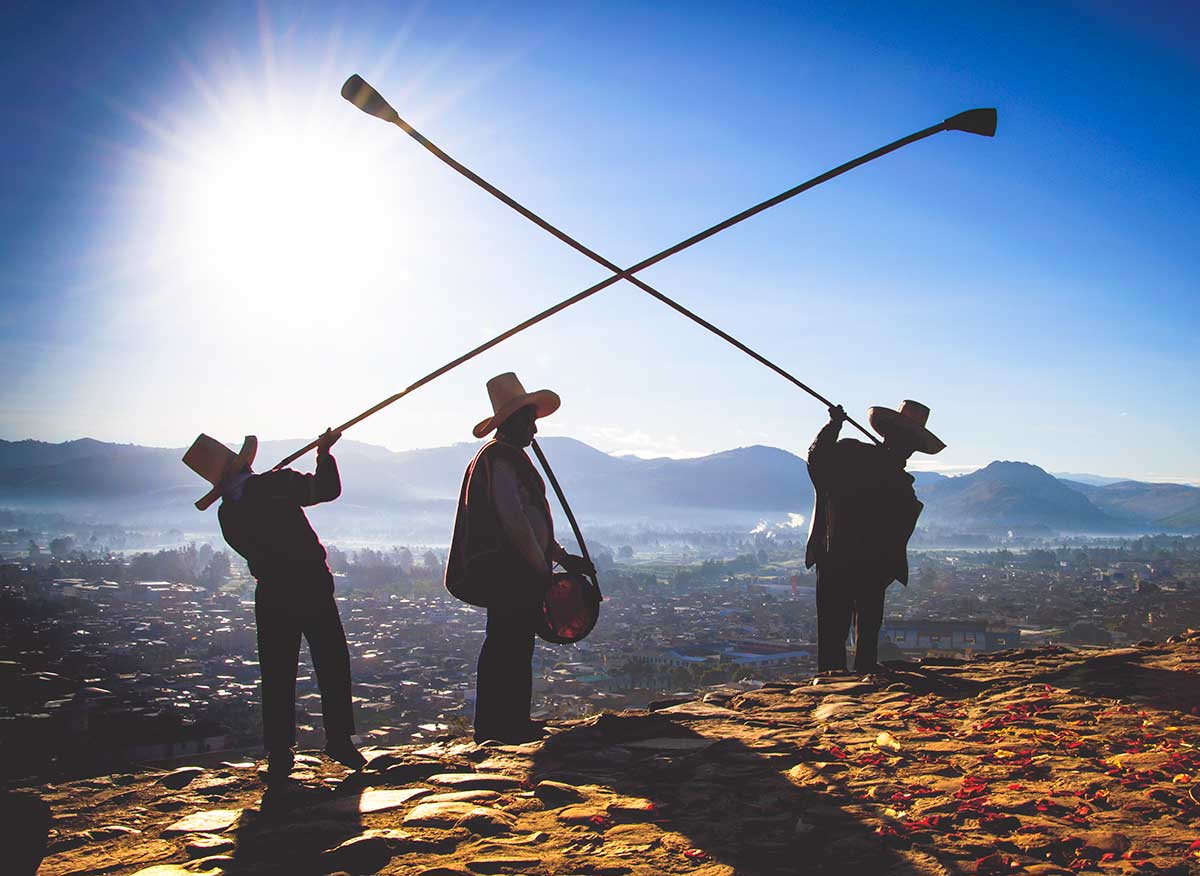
{"type": "Point", "coordinates": [508, 396]}
{"type": "Point", "coordinates": [906, 426]}
{"type": "Point", "coordinates": [215, 462]}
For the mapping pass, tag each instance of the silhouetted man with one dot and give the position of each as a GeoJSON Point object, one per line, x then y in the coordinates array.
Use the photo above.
{"type": "Point", "coordinates": [502, 554]}
{"type": "Point", "coordinates": [262, 518]}
{"type": "Point", "coordinates": [865, 512]}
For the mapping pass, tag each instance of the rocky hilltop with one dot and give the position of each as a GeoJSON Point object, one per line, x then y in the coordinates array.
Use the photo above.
{"type": "Point", "coordinates": [1044, 761]}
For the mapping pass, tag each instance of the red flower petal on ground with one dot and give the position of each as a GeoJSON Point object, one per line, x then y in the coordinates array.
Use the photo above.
{"type": "Point", "coordinates": [696, 854]}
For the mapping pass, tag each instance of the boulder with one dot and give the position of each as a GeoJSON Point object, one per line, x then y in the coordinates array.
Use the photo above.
{"type": "Point", "coordinates": [557, 793]}
{"type": "Point", "coordinates": [181, 777]}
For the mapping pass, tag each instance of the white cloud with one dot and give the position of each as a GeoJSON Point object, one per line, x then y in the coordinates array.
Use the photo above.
{"type": "Point", "coordinates": [635, 442]}
{"type": "Point", "coordinates": [942, 468]}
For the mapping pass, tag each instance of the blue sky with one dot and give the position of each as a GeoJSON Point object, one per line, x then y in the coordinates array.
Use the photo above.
{"type": "Point", "coordinates": [200, 235]}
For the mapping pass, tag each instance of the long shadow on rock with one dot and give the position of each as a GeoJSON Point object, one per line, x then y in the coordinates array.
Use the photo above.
{"type": "Point", "coordinates": [732, 802]}
{"type": "Point", "coordinates": [939, 676]}
{"type": "Point", "coordinates": [293, 826]}
{"type": "Point", "coordinates": [1124, 675]}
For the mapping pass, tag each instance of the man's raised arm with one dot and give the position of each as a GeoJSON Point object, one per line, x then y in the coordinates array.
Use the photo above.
{"type": "Point", "coordinates": [326, 484]}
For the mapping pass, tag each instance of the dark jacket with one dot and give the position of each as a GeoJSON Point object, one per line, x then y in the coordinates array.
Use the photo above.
{"type": "Point", "coordinates": [865, 508]}
{"type": "Point", "coordinates": [482, 562]}
{"type": "Point", "coordinates": [268, 527]}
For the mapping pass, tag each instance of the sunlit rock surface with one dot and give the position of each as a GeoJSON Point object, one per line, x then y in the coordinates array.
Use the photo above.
{"type": "Point", "coordinates": [1039, 762]}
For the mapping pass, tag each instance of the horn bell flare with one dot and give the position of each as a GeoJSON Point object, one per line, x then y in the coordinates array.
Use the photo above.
{"type": "Point", "coordinates": [974, 121]}
{"type": "Point", "coordinates": [360, 93]}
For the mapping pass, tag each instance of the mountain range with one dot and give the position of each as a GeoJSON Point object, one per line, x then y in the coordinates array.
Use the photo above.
{"type": "Point", "coordinates": [130, 483]}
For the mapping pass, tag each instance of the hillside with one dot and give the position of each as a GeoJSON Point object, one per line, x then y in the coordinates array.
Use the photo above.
{"type": "Point", "coordinates": [1170, 504]}
{"type": "Point", "coordinates": [1014, 494]}
{"type": "Point", "coordinates": [1036, 762]}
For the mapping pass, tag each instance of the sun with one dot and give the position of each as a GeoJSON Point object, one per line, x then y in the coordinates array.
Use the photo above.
{"type": "Point", "coordinates": [263, 244]}
{"type": "Point", "coordinates": [270, 209]}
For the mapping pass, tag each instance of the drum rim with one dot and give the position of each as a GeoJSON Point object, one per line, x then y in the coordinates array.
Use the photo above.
{"type": "Point", "coordinates": [591, 595]}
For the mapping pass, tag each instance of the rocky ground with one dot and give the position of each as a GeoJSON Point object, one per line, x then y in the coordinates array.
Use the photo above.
{"type": "Point", "coordinates": [1035, 762]}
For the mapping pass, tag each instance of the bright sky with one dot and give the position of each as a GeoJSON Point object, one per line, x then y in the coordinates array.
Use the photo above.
{"type": "Point", "coordinates": [199, 234]}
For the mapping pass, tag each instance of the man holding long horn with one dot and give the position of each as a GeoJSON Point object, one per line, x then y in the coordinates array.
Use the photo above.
{"type": "Point", "coordinates": [502, 556]}
{"type": "Point", "coordinates": [262, 518]}
{"type": "Point", "coordinates": [864, 514]}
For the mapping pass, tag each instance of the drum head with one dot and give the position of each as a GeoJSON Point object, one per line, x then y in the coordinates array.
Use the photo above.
{"type": "Point", "coordinates": [570, 608]}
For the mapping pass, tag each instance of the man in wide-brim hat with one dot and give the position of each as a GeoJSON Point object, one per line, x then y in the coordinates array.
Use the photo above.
{"type": "Point", "coordinates": [502, 554]}
{"type": "Point", "coordinates": [262, 518]}
{"type": "Point", "coordinates": [864, 513]}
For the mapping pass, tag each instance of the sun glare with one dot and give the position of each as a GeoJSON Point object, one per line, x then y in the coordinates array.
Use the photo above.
{"type": "Point", "coordinates": [270, 216]}
{"type": "Point", "coordinates": [264, 234]}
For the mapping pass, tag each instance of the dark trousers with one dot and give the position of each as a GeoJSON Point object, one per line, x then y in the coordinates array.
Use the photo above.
{"type": "Point", "coordinates": [504, 679]}
{"type": "Point", "coordinates": [843, 595]}
{"type": "Point", "coordinates": [281, 622]}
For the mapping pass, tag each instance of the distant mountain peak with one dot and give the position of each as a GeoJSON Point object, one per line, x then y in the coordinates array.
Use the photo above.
{"type": "Point", "coordinates": [125, 482]}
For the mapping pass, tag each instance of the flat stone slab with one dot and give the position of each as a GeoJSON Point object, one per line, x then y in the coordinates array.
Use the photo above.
{"type": "Point", "coordinates": [205, 844]}
{"type": "Point", "coordinates": [476, 781]}
{"type": "Point", "coordinates": [625, 805]}
{"type": "Point", "coordinates": [486, 821]}
{"type": "Point", "coordinates": [181, 777]}
{"type": "Point", "coordinates": [699, 711]}
{"type": "Point", "coordinates": [463, 797]}
{"type": "Point", "coordinates": [443, 815]}
{"type": "Point", "coordinates": [383, 800]}
{"type": "Point", "coordinates": [208, 821]}
{"type": "Point", "coordinates": [111, 831]}
{"type": "Point", "coordinates": [832, 708]}
{"type": "Point", "coordinates": [478, 819]}
{"type": "Point", "coordinates": [371, 800]}
{"type": "Point", "coordinates": [557, 793]}
{"type": "Point", "coordinates": [582, 815]}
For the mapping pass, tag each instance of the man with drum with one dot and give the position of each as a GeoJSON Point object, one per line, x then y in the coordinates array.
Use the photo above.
{"type": "Point", "coordinates": [502, 556]}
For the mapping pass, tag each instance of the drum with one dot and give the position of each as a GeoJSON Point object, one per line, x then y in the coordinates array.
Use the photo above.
{"type": "Point", "coordinates": [570, 608]}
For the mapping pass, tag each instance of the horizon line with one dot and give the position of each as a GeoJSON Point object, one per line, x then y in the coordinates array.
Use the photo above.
{"type": "Point", "coordinates": [918, 465]}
